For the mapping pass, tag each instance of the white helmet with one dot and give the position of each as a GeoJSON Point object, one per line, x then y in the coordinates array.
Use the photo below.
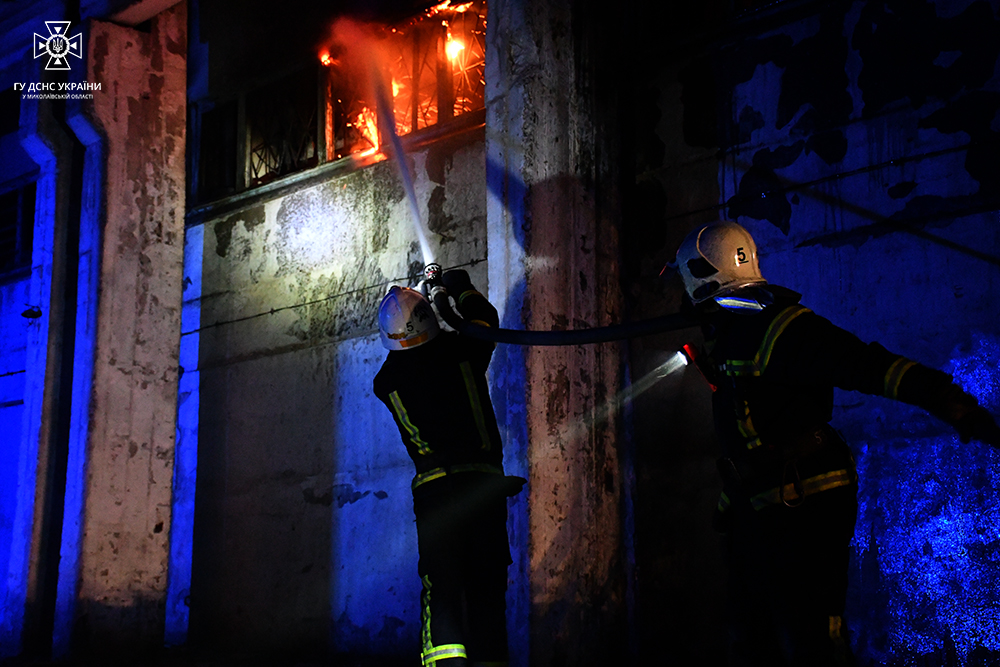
{"type": "Point", "coordinates": [717, 258]}
{"type": "Point", "coordinates": [406, 319]}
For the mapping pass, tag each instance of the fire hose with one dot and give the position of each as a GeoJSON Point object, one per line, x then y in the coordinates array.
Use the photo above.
{"type": "Point", "coordinates": [672, 322]}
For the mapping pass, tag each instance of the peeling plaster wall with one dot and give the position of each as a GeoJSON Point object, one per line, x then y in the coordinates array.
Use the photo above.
{"type": "Point", "coordinates": [126, 518]}
{"type": "Point", "coordinates": [852, 140]}
{"type": "Point", "coordinates": [303, 530]}
{"type": "Point", "coordinates": [553, 169]}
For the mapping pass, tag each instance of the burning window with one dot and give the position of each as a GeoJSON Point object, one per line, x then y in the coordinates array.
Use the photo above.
{"type": "Point", "coordinates": [432, 65]}
{"type": "Point", "coordinates": [435, 64]}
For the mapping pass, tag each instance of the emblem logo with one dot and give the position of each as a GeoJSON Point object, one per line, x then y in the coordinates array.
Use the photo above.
{"type": "Point", "coordinates": [58, 45]}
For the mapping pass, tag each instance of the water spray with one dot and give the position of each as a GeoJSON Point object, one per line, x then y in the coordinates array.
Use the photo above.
{"type": "Point", "coordinates": [383, 107]}
{"type": "Point", "coordinates": [387, 124]}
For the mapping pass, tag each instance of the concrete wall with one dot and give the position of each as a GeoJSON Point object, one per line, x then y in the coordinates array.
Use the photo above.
{"type": "Point", "coordinates": [852, 141]}
{"type": "Point", "coordinates": [303, 529]}
{"type": "Point", "coordinates": [125, 521]}
{"type": "Point", "coordinates": [553, 170]}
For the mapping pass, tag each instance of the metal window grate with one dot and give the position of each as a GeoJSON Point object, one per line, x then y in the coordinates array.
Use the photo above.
{"type": "Point", "coordinates": [281, 128]}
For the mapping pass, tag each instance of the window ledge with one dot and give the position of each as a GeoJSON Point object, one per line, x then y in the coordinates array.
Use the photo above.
{"type": "Point", "coordinates": [466, 123]}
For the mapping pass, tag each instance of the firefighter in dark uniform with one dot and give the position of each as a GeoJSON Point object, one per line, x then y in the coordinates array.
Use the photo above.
{"type": "Point", "coordinates": [789, 498]}
{"type": "Point", "coordinates": [434, 384]}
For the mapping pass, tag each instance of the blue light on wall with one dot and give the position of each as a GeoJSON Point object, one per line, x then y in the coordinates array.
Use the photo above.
{"type": "Point", "coordinates": [186, 449]}
{"type": "Point", "coordinates": [927, 545]}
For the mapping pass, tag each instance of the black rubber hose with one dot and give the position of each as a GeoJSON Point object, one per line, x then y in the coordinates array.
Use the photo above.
{"type": "Point", "coordinates": [671, 322]}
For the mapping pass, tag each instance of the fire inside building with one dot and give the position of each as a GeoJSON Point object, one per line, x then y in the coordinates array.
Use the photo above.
{"type": "Point", "coordinates": [203, 204]}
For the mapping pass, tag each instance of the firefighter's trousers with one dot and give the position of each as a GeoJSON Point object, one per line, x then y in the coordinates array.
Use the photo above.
{"type": "Point", "coordinates": [464, 554]}
{"type": "Point", "coordinates": [788, 571]}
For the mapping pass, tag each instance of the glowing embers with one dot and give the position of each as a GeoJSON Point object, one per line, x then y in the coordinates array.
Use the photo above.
{"type": "Point", "coordinates": [435, 63]}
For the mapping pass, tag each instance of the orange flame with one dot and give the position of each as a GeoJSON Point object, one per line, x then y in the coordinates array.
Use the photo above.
{"type": "Point", "coordinates": [453, 48]}
{"type": "Point", "coordinates": [447, 6]}
{"type": "Point", "coordinates": [367, 124]}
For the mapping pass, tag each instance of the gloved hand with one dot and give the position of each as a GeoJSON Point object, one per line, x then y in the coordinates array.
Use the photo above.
{"type": "Point", "coordinates": [437, 290]}
{"type": "Point", "coordinates": [970, 419]}
{"type": "Point", "coordinates": [457, 281]}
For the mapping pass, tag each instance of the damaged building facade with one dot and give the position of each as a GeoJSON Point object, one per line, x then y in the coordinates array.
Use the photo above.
{"type": "Point", "coordinates": [192, 252]}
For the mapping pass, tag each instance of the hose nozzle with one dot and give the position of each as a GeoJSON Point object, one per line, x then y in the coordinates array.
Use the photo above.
{"type": "Point", "coordinates": [432, 272]}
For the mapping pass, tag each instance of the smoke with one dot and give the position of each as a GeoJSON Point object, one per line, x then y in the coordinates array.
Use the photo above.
{"type": "Point", "coordinates": [357, 49]}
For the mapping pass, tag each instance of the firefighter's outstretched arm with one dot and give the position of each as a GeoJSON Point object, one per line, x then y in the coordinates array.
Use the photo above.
{"type": "Point", "coordinates": [938, 394]}
{"type": "Point", "coordinates": [814, 346]}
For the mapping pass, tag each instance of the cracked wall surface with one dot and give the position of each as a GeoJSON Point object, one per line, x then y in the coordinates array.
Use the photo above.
{"type": "Point", "coordinates": [129, 474]}
{"type": "Point", "coordinates": [303, 485]}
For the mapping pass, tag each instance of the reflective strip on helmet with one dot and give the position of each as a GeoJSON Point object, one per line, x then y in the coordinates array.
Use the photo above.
{"type": "Point", "coordinates": [416, 340]}
{"type": "Point", "coordinates": [895, 374]}
{"type": "Point", "coordinates": [758, 364]}
{"type": "Point", "coordinates": [736, 303]}
{"type": "Point", "coordinates": [404, 419]}
{"type": "Point", "coordinates": [477, 407]}
{"type": "Point", "coordinates": [810, 486]}
{"type": "Point", "coordinates": [442, 652]}
{"type": "Point", "coordinates": [438, 473]}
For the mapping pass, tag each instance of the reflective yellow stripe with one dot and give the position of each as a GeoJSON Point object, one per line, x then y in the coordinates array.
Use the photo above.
{"type": "Point", "coordinates": [442, 652]}
{"type": "Point", "coordinates": [723, 502]}
{"type": "Point", "coordinates": [810, 486]}
{"type": "Point", "coordinates": [836, 626]}
{"type": "Point", "coordinates": [758, 364]}
{"type": "Point", "coordinates": [477, 408]}
{"type": "Point", "coordinates": [438, 473]}
{"type": "Point", "coordinates": [466, 293]}
{"type": "Point", "coordinates": [425, 616]}
{"type": "Point", "coordinates": [895, 374]}
{"type": "Point", "coordinates": [744, 425]}
{"type": "Point", "coordinates": [404, 419]}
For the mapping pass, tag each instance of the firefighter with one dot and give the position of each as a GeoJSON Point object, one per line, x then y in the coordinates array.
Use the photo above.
{"type": "Point", "coordinates": [434, 384]}
{"type": "Point", "coordinates": [789, 499]}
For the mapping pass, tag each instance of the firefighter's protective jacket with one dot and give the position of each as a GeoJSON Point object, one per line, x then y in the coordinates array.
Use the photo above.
{"type": "Point", "coordinates": [438, 396]}
{"type": "Point", "coordinates": [775, 364]}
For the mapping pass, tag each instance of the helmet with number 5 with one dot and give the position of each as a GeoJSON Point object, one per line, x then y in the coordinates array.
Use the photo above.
{"type": "Point", "coordinates": [406, 319]}
{"type": "Point", "coordinates": [716, 259]}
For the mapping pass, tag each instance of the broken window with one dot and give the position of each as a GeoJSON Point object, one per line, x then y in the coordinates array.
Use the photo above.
{"type": "Point", "coordinates": [17, 221]}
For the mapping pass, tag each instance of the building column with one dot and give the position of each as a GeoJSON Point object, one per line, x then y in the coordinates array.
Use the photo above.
{"type": "Point", "coordinates": [553, 215]}
{"type": "Point", "coordinates": [140, 112]}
